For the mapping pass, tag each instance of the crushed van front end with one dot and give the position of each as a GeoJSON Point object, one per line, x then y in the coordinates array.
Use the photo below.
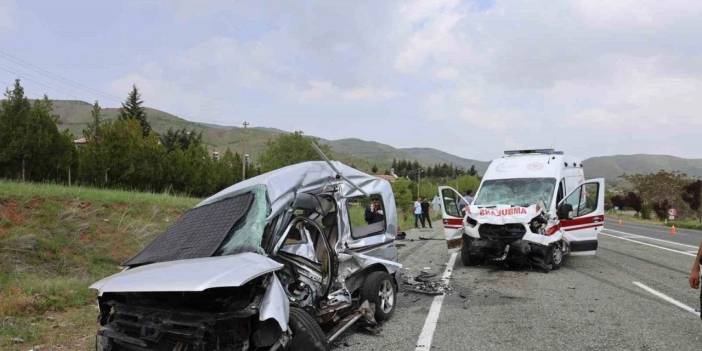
{"type": "Point", "coordinates": [217, 320]}
{"type": "Point", "coordinates": [519, 236]}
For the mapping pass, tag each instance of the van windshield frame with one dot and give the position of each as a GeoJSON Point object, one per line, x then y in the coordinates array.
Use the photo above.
{"type": "Point", "coordinates": [516, 192]}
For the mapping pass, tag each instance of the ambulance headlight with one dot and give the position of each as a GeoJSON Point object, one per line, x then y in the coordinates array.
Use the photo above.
{"type": "Point", "coordinates": [538, 224]}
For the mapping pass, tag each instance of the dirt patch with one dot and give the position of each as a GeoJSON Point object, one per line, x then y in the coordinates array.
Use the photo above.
{"type": "Point", "coordinates": [9, 212]}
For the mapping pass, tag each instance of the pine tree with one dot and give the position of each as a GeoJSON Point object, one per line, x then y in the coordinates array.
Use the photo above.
{"type": "Point", "coordinates": [14, 132]}
{"type": "Point", "coordinates": [92, 130]}
{"type": "Point", "coordinates": [132, 109]}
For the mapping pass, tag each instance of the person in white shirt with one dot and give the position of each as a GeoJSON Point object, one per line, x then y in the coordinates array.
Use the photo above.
{"type": "Point", "coordinates": [418, 212]}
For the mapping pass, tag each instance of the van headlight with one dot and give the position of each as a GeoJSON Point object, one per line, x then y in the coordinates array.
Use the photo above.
{"type": "Point", "coordinates": [538, 224]}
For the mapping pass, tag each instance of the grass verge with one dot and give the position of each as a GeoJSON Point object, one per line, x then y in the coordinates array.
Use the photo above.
{"type": "Point", "coordinates": [57, 240]}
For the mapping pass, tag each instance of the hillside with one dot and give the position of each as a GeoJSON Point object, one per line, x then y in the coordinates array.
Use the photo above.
{"type": "Point", "coordinates": [611, 167]}
{"type": "Point", "coordinates": [75, 115]}
{"type": "Point", "coordinates": [54, 242]}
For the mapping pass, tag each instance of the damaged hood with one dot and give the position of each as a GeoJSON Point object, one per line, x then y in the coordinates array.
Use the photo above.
{"type": "Point", "coordinates": [196, 274]}
{"type": "Point", "coordinates": [504, 214]}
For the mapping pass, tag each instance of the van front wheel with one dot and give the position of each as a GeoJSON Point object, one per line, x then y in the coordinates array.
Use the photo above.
{"type": "Point", "coordinates": [468, 258]}
{"type": "Point", "coordinates": [307, 334]}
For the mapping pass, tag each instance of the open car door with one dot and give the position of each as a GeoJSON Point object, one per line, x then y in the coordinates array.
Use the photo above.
{"type": "Point", "coordinates": [452, 204]}
{"type": "Point", "coordinates": [582, 217]}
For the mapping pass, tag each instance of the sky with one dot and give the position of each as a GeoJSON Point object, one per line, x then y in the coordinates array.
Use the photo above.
{"type": "Point", "coordinates": [472, 78]}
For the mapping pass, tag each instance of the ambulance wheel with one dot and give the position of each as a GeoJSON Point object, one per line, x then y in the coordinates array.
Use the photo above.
{"type": "Point", "coordinates": [554, 256]}
{"type": "Point", "coordinates": [467, 258]}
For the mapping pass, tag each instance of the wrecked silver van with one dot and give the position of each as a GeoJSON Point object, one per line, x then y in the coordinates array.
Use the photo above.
{"type": "Point", "coordinates": [285, 260]}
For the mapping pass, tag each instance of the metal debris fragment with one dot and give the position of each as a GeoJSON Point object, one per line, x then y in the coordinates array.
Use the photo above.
{"type": "Point", "coordinates": [425, 282]}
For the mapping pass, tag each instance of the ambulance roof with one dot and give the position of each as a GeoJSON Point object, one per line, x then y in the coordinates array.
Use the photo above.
{"type": "Point", "coordinates": [531, 165]}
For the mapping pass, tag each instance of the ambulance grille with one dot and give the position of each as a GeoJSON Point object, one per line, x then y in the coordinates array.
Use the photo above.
{"type": "Point", "coordinates": [507, 232]}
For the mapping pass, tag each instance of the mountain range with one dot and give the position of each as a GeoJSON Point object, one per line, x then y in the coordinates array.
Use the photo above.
{"type": "Point", "coordinates": [74, 116]}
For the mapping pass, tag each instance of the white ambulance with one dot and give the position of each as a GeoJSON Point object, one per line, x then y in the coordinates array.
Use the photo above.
{"type": "Point", "coordinates": [533, 206]}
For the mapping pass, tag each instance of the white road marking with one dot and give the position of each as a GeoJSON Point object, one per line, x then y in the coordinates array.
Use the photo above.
{"type": "Point", "coordinates": [651, 245]}
{"type": "Point", "coordinates": [632, 235]}
{"type": "Point", "coordinates": [667, 298]}
{"type": "Point", "coordinates": [427, 334]}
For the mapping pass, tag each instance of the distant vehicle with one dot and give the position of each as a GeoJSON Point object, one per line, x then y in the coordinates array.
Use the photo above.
{"type": "Point", "coordinates": [533, 207]}
{"type": "Point", "coordinates": [285, 260]}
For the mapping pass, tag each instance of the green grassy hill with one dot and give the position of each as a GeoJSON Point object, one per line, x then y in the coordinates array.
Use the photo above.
{"type": "Point", "coordinates": [54, 242]}
{"type": "Point", "coordinates": [75, 115]}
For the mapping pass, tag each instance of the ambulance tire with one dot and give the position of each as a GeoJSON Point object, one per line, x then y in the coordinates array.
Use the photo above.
{"type": "Point", "coordinates": [554, 256]}
{"type": "Point", "coordinates": [467, 258]}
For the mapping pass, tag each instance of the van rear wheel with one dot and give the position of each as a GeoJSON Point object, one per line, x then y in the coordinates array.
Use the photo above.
{"type": "Point", "coordinates": [468, 258]}
{"type": "Point", "coordinates": [379, 289]}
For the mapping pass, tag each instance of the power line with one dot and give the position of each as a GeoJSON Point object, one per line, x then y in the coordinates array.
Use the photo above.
{"type": "Point", "coordinates": [23, 76]}
{"type": "Point", "coordinates": [56, 77]}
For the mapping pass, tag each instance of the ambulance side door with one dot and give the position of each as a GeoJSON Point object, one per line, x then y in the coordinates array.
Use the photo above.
{"type": "Point", "coordinates": [585, 219]}
{"type": "Point", "coordinates": [452, 204]}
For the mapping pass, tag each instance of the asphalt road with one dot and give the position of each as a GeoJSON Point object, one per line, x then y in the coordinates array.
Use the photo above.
{"type": "Point", "coordinates": [623, 298]}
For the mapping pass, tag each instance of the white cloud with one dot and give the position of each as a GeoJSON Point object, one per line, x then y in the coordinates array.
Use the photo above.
{"type": "Point", "coordinates": [7, 14]}
{"type": "Point", "coordinates": [327, 90]}
{"type": "Point", "coordinates": [505, 74]}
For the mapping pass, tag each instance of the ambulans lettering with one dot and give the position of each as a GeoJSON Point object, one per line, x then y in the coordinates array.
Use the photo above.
{"type": "Point", "coordinates": [512, 211]}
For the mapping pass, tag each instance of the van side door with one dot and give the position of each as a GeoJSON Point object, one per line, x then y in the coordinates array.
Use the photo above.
{"type": "Point", "coordinates": [452, 212]}
{"type": "Point", "coordinates": [586, 216]}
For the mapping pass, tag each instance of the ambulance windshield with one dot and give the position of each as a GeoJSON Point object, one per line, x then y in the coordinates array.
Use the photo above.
{"type": "Point", "coordinates": [516, 192]}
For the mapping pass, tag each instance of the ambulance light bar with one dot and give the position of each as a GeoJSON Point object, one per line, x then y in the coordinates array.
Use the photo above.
{"type": "Point", "coordinates": [534, 151]}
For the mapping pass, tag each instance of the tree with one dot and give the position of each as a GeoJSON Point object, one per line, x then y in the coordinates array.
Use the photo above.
{"type": "Point", "coordinates": [180, 138]}
{"type": "Point", "coordinates": [374, 169]}
{"type": "Point", "coordinates": [692, 195]}
{"type": "Point", "coordinates": [660, 191]}
{"type": "Point", "coordinates": [132, 109]}
{"type": "Point", "coordinates": [289, 149]}
{"type": "Point", "coordinates": [472, 171]}
{"type": "Point", "coordinates": [92, 130]}
{"type": "Point", "coordinates": [14, 132]}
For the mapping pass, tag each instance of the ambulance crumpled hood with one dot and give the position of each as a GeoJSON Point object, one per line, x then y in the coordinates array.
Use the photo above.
{"type": "Point", "coordinates": [504, 214]}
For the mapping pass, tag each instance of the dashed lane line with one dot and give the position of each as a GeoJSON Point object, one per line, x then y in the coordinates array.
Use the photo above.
{"type": "Point", "coordinates": [427, 334]}
{"type": "Point", "coordinates": [667, 298]}
{"type": "Point", "coordinates": [651, 245]}
{"type": "Point", "coordinates": [632, 235]}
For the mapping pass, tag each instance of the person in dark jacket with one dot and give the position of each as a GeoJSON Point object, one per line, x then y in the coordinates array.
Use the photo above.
{"type": "Point", "coordinates": [374, 212]}
{"type": "Point", "coordinates": [425, 212]}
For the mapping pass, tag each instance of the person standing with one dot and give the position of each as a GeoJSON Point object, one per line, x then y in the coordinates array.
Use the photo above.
{"type": "Point", "coordinates": [418, 213]}
{"type": "Point", "coordinates": [425, 212]}
{"type": "Point", "coordinates": [695, 273]}
{"type": "Point", "coordinates": [468, 198]}
{"type": "Point", "coordinates": [374, 212]}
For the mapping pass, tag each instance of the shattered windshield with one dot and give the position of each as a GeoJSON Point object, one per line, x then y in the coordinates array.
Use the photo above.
{"type": "Point", "coordinates": [225, 227]}
{"type": "Point", "coordinates": [516, 192]}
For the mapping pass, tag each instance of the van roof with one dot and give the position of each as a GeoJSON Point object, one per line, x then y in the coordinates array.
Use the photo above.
{"type": "Point", "coordinates": [531, 165]}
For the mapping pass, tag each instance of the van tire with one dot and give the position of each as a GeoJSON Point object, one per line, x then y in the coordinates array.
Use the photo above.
{"type": "Point", "coordinates": [554, 256]}
{"type": "Point", "coordinates": [467, 258]}
{"type": "Point", "coordinates": [378, 283]}
{"type": "Point", "coordinates": [307, 334]}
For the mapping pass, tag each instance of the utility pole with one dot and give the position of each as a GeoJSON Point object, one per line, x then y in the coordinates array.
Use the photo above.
{"type": "Point", "coordinates": [244, 156]}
